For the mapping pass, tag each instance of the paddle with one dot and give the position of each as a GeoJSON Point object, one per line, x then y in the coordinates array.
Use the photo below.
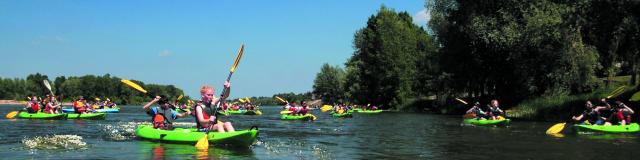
{"type": "Point", "coordinates": [326, 108]}
{"type": "Point", "coordinates": [283, 101]}
{"type": "Point", "coordinates": [203, 143]}
{"type": "Point", "coordinates": [558, 127]}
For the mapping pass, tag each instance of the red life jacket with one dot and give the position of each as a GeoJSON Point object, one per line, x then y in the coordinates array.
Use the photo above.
{"type": "Point", "coordinates": [35, 106]}
{"type": "Point", "coordinates": [160, 120]}
{"type": "Point", "coordinates": [204, 115]}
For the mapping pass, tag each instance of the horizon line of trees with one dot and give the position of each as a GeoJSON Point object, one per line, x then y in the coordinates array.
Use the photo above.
{"type": "Point", "coordinates": [509, 50]}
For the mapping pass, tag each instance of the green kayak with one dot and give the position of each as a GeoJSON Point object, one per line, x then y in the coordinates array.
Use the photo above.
{"type": "Point", "coordinates": [41, 115]}
{"type": "Point", "coordinates": [306, 117]}
{"type": "Point", "coordinates": [225, 113]}
{"type": "Point", "coordinates": [356, 110]}
{"type": "Point", "coordinates": [370, 111]}
{"type": "Point", "coordinates": [236, 112]}
{"type": "Point", "coordinates": [481, 122]}
{"type": "Point", "coordinates": [241, 138]}
{"type": "Point", "coordinates": [253, 112]}
{"type": "Point", "coordinates": [633, 127]}
{"type": "Point", "coordinates": [87, 116]}
{"type": "Point", "coordinates": [344, 115]}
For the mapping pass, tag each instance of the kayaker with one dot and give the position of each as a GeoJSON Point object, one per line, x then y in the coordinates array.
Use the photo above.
{"type": "Point", "coordinates": [293, 109]}
{"type": "Point", "coordinates": [33, 106]}
{"type": "Point", "coordinates": [204, 122]}
{"type": "Point", "coordinates": [163, 115]}
{"type": "Point", "coordinates": [80, 105]}
{"type": "Point", "coordinates": [494, 110]}
{"type": "Point", "coordinates": [621, 114]}
{"type": "Point", "coordinates": [110, 104]}
{"type": "Point", "coordinates": [591, 115]}
{"type": "Point", "coordinates": [303, 108]}
{"type": "Point", "coordinates": [52, 106]}
{"type": "Point", "coordinates": [477, 111]}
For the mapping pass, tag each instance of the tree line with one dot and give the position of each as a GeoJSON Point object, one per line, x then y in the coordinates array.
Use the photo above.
{"type": "Point", "coordinates": [88, 86]}
{"type": "Point", "coordinates": [510, 50]}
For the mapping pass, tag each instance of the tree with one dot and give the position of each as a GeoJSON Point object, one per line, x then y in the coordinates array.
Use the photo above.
{"type": "Point", "coordinates": [329, 84]}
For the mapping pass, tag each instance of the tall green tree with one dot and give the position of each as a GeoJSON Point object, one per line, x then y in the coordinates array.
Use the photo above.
{"type": "Point", "coordinates": [383, 68]}
{"type": "Point", "coordinates": [329, 83]}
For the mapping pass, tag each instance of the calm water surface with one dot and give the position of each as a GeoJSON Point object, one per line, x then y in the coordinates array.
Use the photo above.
{"type": "Point", "coordinates": [376, 136]}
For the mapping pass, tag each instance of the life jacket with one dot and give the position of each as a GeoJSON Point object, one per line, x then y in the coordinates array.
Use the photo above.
{"type": "Point", "coordinates": [35, 106]}
{"type": "Point", "coordinates": [78, 106]}
{"type": "Point", "coordinates": [48, 107]}
{"type": "Point", "coordinates": [160, 119]}
{"type": "Point", "coordinates": [204, 115]}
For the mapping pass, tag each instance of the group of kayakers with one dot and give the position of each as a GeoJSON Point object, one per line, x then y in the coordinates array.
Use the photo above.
{"type": "Point", "coordinates": [82, 106]}
{"type": "Point", "coordinates": [492, 111]}
{"type": "Point", "coordinates": [49, 104]}
{"type": "Point", "coordinates": [605, 114]}
{"type": "Point", "coordinates": [203, 112]}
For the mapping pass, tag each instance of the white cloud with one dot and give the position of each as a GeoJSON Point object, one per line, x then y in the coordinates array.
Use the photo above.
{"type": "Point", "coordinates": [165, 53]}
{"type": "Point", "coordinates": [422, 17]}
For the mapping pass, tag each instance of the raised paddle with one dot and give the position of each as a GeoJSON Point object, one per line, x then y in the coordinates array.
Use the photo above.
{"type": "Point", "coordinates": [558, 127]}
{"type": "Point", "coordinates": [203, 143]}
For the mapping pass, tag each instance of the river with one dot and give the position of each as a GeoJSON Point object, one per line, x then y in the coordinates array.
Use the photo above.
{"type": "Point", "coordinates": [387, 135]}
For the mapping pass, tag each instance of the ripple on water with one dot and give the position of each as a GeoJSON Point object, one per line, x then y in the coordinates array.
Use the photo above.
{"type": "Point", "coordinates": [55, 142]}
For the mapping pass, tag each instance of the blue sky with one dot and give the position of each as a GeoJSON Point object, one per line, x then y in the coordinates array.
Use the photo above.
{"type": "Point", "coordinates": [186, 43]}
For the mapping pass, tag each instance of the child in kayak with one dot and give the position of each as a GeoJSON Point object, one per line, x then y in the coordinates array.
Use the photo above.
{"type": "Point", "coordinates": [591, 115]}
{"type": "Point", "coordinates": [494, 110]}
{"type": "Point", "coordinates": [204, 122]}
{"type": "Point", "coordinates": [52, 106]}
{"type": "Point", "coordinates": [476, 112]}
{"type": "Point", "coordinates": [163, 115]}
{"type": "Point", "coordinates": [303, 108]}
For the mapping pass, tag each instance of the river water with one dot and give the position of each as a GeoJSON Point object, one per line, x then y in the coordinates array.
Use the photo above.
{"type": "Point", "coordinates": [377, 136]}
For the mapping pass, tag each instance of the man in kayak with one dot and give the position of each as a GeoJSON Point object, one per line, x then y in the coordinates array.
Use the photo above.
{"type": "Point", "coordinates": [477, 112]}
{"type": "Point", "coordinates": [79, 106]}
{"type": "Point", "coordinates": [303, 108]}
{"type": "Point", "coordinates": [33, 106]}
{"type": "Point", "coordinates": [163, 115]}
{"type": "Point", "coordinates": [110, 104]}
{"type": "Point", "coordinates": [204, 122]}
{"type": "Point", "coordinates": [494, 110]}
{"type": "Point", "coordinates": [52, 106]}
{"type": "Point", "coordinates": [591, 115]}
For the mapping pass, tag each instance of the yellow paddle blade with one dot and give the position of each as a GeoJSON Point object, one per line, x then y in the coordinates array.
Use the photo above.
{"type": "Point", "coordinates": [556, 128]}
{"type": "Point", "coordinates": [235, 63]}
{"type": "Point", "coordinates": [326, 108]}
{"type": "Point", "coordinates": [180, 97]}
{"type": "Point", "coordinates": [285, 112]}
{"type": "Point", "coordinates": [281, 100]}
{"type": "Point", "coordinates": [46, 84]}
{"type": "Point", "coordinates": [133, 85]}
{"type": "Point", "coordinates": [461, 101]}
{"type": "Point", "coordinates": [241, 100]}
{"type": "Point", "coordinates": [248, 100]}
{"type": "Point", "coordinates": [12, 115]}
{"type": "Point", "coordinates": [203, 143]}
{"type": "Point", "coordinates": [314, 117]}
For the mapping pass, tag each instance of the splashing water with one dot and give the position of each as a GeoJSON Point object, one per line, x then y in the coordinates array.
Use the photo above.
{"type": "Point", "coordinates": [55, 142]}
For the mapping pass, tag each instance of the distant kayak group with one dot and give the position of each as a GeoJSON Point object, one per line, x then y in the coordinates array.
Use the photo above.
{"type": "Point", "coordinates": [602, 118]}
{"type": "Point", "coordinates": [50, 108]}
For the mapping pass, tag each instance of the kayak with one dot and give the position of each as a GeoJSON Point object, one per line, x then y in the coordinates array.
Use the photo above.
{"type": "Point", "coordinates": [357, 110]}
{"type": "Point", "coordinates": [633, 127]}
{"type": "Point", "coordinates": [87, 116]}
{"type": "Point", "coordinates": [253, 112]}
{"type": "Point", "coordinates": [242, 138]}
{"type": "Point", "coordinates": [105, 110]}
{"type": "Point", "coordinates": [344, 115]}
{"type": "Point", "coordinates": [236, 111]}
{"type": "Point", "coordinates": [482, 122]}
{"type": "Point", "coordinates": [370, 111]}
{"type": "Point", "coordinates": [41, 115]}
{"type": "Point", "coordinates": [306, 117]}
{"type": "Point", "coordinates": [225, 113]}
